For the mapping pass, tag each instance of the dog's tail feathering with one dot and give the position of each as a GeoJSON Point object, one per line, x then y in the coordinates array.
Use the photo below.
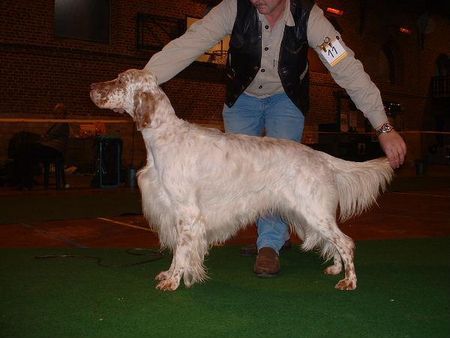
{"type": "Point", "coordinates": [360, 183]}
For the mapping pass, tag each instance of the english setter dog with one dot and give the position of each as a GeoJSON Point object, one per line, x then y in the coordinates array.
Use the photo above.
{"type": "Point", "coordinates": [200, 186]}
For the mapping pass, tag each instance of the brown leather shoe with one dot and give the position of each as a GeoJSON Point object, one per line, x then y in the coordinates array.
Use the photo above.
{"type": "Point", "coordinates": [251, 250]}
{"type": "Point", "coordinates": [267, 263]}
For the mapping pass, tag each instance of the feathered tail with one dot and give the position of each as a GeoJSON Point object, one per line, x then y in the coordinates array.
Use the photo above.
{"type": "Point", "coordinates": [359, 183]}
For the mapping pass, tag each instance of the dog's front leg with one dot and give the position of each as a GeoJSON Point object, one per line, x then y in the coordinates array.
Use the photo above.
{"type": "Point", "coordinates": [163, 275]}
{"type": "Point", "coordinates": [188, 255]}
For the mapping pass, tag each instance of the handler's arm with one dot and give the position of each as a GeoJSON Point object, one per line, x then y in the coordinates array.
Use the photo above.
{"type": "Point", "coordinates": [349, 74]}
{"type": "Point", "coordinates": [201, 36]}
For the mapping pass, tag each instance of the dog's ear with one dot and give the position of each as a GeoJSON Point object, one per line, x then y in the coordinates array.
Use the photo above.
{"type": "Point", "coordinates": [144, 109]}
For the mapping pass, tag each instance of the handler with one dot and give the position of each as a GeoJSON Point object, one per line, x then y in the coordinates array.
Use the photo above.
{"type": "Point", "coordinates": [267, 81]}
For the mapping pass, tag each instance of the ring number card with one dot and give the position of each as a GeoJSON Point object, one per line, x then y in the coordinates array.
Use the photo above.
{"type": "Point", "coordinates": [332, 51]}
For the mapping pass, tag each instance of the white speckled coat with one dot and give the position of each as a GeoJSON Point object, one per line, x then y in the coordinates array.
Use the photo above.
{"type": "Point", "coordinates": [200, 186]}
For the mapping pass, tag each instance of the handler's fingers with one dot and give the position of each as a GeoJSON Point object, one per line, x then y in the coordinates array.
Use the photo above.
{"type": "Point", "coordinates": [396, 156]}
{"type": "Point", "coordinates": [403, 151]}
{"type": "Point", "coordinates": [394, 147]}
{"type": "Point", "coordinates": [394, 159]}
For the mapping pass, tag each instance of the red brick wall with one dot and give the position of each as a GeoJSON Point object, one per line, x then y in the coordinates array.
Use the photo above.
{"type": "Point", "coordinates": [39, 69]}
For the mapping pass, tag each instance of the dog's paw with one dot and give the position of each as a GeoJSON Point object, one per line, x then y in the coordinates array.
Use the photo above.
{"type": "Point", "coordinates": [333, 270]}
{"type": "Point", "coordinates": [169, 284]}
{"type": "Point", "coordinates": [163, 275]}
{"type": "Point", "coordinates": [346, 284]}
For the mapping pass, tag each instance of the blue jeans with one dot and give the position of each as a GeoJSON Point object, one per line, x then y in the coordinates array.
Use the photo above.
{"type": "Point", "coordinates": [275, 116]}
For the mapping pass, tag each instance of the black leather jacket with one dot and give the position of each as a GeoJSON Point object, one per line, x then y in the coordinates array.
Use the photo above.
{"type": "Point", "coordinates": [244, 59]}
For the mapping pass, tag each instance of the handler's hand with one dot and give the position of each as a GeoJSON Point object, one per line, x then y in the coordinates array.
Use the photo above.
{"type": "Point", "coordinates": [394, 147]}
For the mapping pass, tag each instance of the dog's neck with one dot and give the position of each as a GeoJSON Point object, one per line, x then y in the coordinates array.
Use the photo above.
{"type": "Point", "coordinates": [164, 117]}
{"type": "Point", "coordinates": [157, 139]}
{"type": "Point", "coordinates": [165, 128]}
{"type": "Point", "coordinates": [164, 125]}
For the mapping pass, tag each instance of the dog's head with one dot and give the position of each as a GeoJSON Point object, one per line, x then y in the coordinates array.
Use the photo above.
{"type": "Point", "coordinates": [133, 91]}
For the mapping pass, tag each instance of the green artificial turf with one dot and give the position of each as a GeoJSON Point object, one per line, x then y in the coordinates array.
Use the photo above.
{"type": "Point", "coordinates": [403, 291]}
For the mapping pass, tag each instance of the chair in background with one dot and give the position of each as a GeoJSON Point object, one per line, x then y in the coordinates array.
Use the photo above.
{"type": "Point", "coordinates": [58, 164]}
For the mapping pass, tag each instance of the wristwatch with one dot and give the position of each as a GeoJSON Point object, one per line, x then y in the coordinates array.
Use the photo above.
{"type": "Point", "coordinates": [385, 128]}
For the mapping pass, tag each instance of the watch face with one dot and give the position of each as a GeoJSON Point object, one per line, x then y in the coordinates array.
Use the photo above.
{"type": "Point", "coordinates": [385, 128]}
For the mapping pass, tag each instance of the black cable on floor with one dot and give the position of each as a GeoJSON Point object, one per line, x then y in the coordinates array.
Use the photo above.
{"type": "Point", "coordinates": [154, 256]}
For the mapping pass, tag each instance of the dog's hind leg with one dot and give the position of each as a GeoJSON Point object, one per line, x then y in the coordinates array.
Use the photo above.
{"type": "Point", "coordinates": [324, 233]}
{"type": "Point", "coordinates": [345, 247]}
{"type": "Point", "coordinates": [188, 255]}
{"type": "Point", "coordinates": [336, 268]}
